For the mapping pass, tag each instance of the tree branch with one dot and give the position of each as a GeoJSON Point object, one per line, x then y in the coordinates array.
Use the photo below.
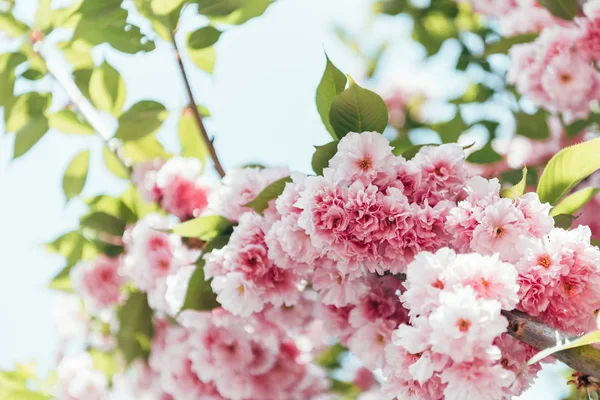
{"type": "Point", "coordinates": [195, 111]}
{"type": "Point", "coordinates": [86, 109]}
{"type": "Point", "coordinates": [585, 359]}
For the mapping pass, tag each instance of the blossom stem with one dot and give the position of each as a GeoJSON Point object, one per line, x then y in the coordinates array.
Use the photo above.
{"type": "Point", "coordinates": [86, 109]}
{"type": "Point", "coordinates": [195, 112]}
{"type": "Point", "coordinates": [585, 359]}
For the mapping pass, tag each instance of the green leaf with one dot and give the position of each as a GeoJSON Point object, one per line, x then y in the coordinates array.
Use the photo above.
{"type": "Point", "coordinates": [514, 176]}
{"type": "Point", "coordinates": [217, 243]}
{"type": "Point", "coordinates": [450, 131]}
{"type": "Point", "coordinates": [532, 126]}
{"type": "Point", "coordinates": [565, 9]}
{"type": "Point", "coordinates": [323, 154]}
{"type": "Point", "coordinates": [78, 53]}
{"type": "Point", "coordinates": [8, 63]}
{"type": "Point", "coordinates": [112, 206]}
{"type": "Point", "coordinates": [563, 221]}
{"type": "Point", "coordinates": [135, 322]}
{"type": "Point", "coordinates": [203, 37]}
{"type": "Point", "coordinates": [212, 8]}
{"type": "Point", "coordinates": [585, 340]}
{"type": "Point", "coordinates": [332, 83]}
{"type": "Point", "coordinates": [485, 155]}
{"type": "Point", "coordinates": [62, 280]}
{"type": "Point", "coordinates": [199, 295]}
{"type": "Point", "coordinates": [204, 228]}
{"type": "Point", "coordinates": [163, 25]}
{"type": "Point", "coordinates": [203, 58]}
{"type": "Point", "coordinates": [82, 79]}
{"type": "Point", "coordinates": [330, 358]}
{"type": "Point", "coordinates": [113, 164]}
{"type": "Point", "coordinates": [575, 201]}
{"type": "Point", "coordinates": [12, 27]}
{"type": "Point", "coordinates": [190, 137]}
{"type": "Point", "coordinates": [29, 135]}
{"type": "Point", "coordinates": [567, 168]}
{"type": "Point", "coordinates": [103, 222]}
{"type": "Point", "coordinates": [70, 245]}
{"type": "Point", "coordinates": [67, 121]}
{"type": "Point", "coordinates": [132, 199]}
{"type": "Point", "coordinates": [400, 145]}
{"type": "Point", "coordinates": [161, 7]}
{"type": "Point", "coordinates": [76, 175]}
{"type": "Point", "coordinates": [107, 89]}
{"type": "Point", "coordinates": [357, 110]}
{"type": "Point", "coordinates": [142, 119]}
{"type": "Point", "coordinates": [272, 191]}
{"type": "Point", "coordinates": [244, 12]}
{"type": "Point", "coordinates": [504, 44]}
{"type": "Point", "coordinates": [409, 153]}
{"type": "Point", "coordinates": [104, 362]}
{"type": "Point", "coordinates": [33, 75]}
{"type": "Point", "coordinates": [27, 107]}
{"type": "Point", "coordinates": [147, 148]}
{"type": "Point", "coordinates": [518, 189]}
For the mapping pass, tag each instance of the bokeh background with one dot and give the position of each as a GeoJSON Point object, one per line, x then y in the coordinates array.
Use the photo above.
{"type": "Point", "coordinates": [261, 97]}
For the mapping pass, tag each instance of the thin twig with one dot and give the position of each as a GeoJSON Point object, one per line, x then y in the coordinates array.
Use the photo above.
{"type": "Point", "coordinates": [85, 107]}
{"type": "Point", "coordinates": [195, 111]}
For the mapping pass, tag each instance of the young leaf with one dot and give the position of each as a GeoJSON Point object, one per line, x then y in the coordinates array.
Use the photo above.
{"type": "Point", "coordinates": [332, 83]}
{"type": "Point", "coordinates": [400, 145]}
{"type": "Point", "coordinates": [135, 323]}
{"type": "Point", "coordinates": [518, 189]}
{"type": "Point", "coordinates": [70, 245]}
{"type": "Point", "coordinates": [112, 206]}
{"type": "Point", "coordinates": [450, 131]}
{"type": "Point", "coordinates": [261, 202]}
{"type": "Point", "coordinates": [199, 295]}
{"type": "Point", "coordinates": [143, 118]}
{"type": "Point", "coordinates": [11, 26]}
{"type": "Point", "coordinates": [409, 153]}
{"type": "Point", "coordinates": [323, 154]}
{"type": "Point", "coordinates": [503, 45]}
{"type": "Point", "coordinates": [357, 110]}
{"type": "Point", "coordinates": [113, 164]}
{"type": "Point", "coordinates": [563, 221]}
{"type": "Point", "coordinates": [203, 37]}
{"type": "Point", "coordinates": [62, 280]}
{"type": "Point", "coordinates": [575, 201]}
{"type": "Point", "coordinates": [485, 155]}
{"type": "Point", "coordinates": [29, 135]}
{"type": "Point", "coordinates": [103, 222]}
{"type": "Point", "coordinates": [567, 168]}
{"type": "Point", "coordinates": [565, 9]}
{"type": "Point", "coordinates": [67, 121]}
{"type": "Point", "coordinates": [204, 228]}
{"type": "Point", "coordinates": [533, 126]}
{"type": "Point", "coordinates": [107, 89]}
{"type": "Point", "coordinates": [217, 8]}
{"type": "Point", "coordinates": [190, 138]}
{"type": "Point", "coordinates": [203, 58]}
{"type": "Point", "coordinates": [585, 340]}
{"type": "Point", "coordinates": [162, 7]}
{"type": "Point", "coordinates": [76, 175]}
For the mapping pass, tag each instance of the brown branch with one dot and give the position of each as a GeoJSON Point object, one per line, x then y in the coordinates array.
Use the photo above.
{"type": "Point", "coordinates": [585, 359]}
{"type": "Point", "coordinates": [195, 111]}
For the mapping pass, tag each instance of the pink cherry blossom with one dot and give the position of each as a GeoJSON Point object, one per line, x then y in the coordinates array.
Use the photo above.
{"type": "Point", "coordinates": [98, 282]}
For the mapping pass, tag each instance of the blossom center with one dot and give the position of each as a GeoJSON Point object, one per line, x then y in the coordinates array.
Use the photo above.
{"type": "Point", "coordinates": [565, 78]}
{"type": "Point", "coordinates": [544, 261]}
{"type": "Point", "coordinates": [499, 231]}
{"type": "Point", "coordinates": [380, 339]}
{"type": "Point", "coordinates": [241, 289]}
{"type": "Point", "coordinates": [463, 325]}
{"type": "Point", "coordinates": [365, 163]}
{"type": "Point", "coordinates": [438, 284]}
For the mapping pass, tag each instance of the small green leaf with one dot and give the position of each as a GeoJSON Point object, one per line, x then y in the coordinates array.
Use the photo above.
{"type": "Point", "coordinates": [203, 37]}
{"type": "Point", "coordinates": [357, 110]}
{"type": "Point", "coordinates": [29, 135]}
{"type": "Point", "coordinates": [162, 7]}
{"type": "Point", "coordinates": [113, 164]}
{"type": "Point", "coordinates": [409, 153]}
{"type": "Point", "coordinates": [400, 145]}
{"type": "Point", "coordinates": [62, 280]}
{"type": "Point", "coordinates": [135, 322]}
{"type": "Point", "coordinates": [112, 206]}
{"type": "Point", "coordinates": [142, 119]}
{"type": "Point", "coordinates": [504, 44]}
{"type": "Point", "coordinates": [12, 27]}
{"type": "Point", "coordinates": [107, 89]}
{"type": "Point", "coordinates": [565, 9]}
{"type": "Point", "coordinates": [82, 79]}
{"type": "Point", "coordinates": [518, 189]}
{"type": "Point", "coordinates": [217, 243]}
{"type": "Point", "coordinates": [450, 131]}
{"type": "Point", "coordinates": [567, 168]}
{"type": "Point", "coordinates": [330, 358]}
{"type": "Point", "coordinates": [76, 175]}
{"type": "Point", "coordinates": [104, 362]}
{"type": "Point", "coordinates": [144, 149]}
{"type": "Point", "coordinates": [204, 228]}
{"type": "Point", "coordinates": [71, 245]}
{"type": "Point", "coordinates": [190, 137]}
{"type": "Point", "coordinates": [272, 191]}
{"type": "Point", "coordinates": [514, 176]}
{"type": "Point", "coordinates": [33, 74]}
{"type": "Point", "coordinates": [575, 201]}
{"type": "Point", "coordinates": [563, 221]}
{"type": "Point", "coordinates": [203, 58]}
{"type": "Point", "coordinates": [199, 294]}
{"type": "Point", "coordinates": [533, 126]}
{"type": "Point", "coordinates": [332, 83]}
{"type": "Point", "coordinates": [67, 121]}
{"type": "Point", "coordinates": [25, 108]}
{"type": "Point", "coordinates": [212, 8]}
{"type": "Point", "coordinates": [485, 155]}
{"type": "Point", "coordinates": [323, 154]}
{"type": "Point", "coordinates": [585, 340]}
{"type": "Point", "coordinates": [103, 222]}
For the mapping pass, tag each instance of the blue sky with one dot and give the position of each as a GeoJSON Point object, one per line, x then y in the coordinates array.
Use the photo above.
{"type": "Point", "coordinates": [261, 97]}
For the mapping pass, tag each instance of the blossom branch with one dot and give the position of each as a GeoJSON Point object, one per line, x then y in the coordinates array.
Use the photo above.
{"type": "Point", "coordinates": [195, 112]}
{"type": "Point", "coordinates": [585, 359]}
{"type": "Point", "coordinates": [87, 110]}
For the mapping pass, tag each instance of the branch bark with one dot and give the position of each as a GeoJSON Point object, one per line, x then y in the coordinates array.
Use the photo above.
{"type": "Point", "coordinates": [585, 359]}
{"type": "Point", "coordinates": [195, 112]}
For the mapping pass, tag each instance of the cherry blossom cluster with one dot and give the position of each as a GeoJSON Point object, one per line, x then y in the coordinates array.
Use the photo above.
{"type": "Point", "coordinates": [175, 184]}
{"type": "Point", "coordinates": [98, 282]}
{"type": "Point", "coordinates": [558, 70]}
{"type": "Point", "coordinates": [455, 303]}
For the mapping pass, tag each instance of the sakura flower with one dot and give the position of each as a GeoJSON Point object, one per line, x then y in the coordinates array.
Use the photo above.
{"type": "Point", "coordinates": [98, 282]}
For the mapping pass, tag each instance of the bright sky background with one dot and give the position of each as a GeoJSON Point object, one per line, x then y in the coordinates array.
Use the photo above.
{"type": "Point", "coordinates": [261, 98]}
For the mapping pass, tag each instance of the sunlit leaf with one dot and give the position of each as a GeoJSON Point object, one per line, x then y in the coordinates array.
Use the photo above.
{"type": "Point", "coordinates": [518, 189]}
{"type": "Point", "coordinates": [76, 175]}
{"type": "Point", "coordinates": [67, 121]}
{"type": "Point", "coordinates": [190, 137]}
{"type": "Point", "coordinates": [107, 89]}
{"type": "Point", "coordinates": [585, 340]}
{"type": "Point", "coordinates": [113, 164]}
{"type": "Point", "coordinates": [199, 295]}
{"type": "Point", "coordinates": [203, 37]}
{"type": "Point", "coordinates": [532, 126]}
{"type": "Point", "coordinates": [29, 135]}
{"type": "Point", "coordinates": [323, 154]}
{"type": "Point", "coordinates": [565, 9]}
{"type": "Point", "coordinates": [204, 228]}
{"type": "Point", "coordinates": [272, 191]}
{"type": "Point", "coordinates": [332, 83]}
{"type": "Point", "coordinates": [104, 223]}
{"type": "Point", "coordinates": [142, 119]}
{"type": "Point", "coordinates": [575, 201]}
{"type": "Point", "coordinates": [11, 26]}
{"type": "Point", "coordinates": [204, 58]}
{"type": "Point", "coordinates": [504, 44]}
{"type": "Point", "coordinates": [135, 322]}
